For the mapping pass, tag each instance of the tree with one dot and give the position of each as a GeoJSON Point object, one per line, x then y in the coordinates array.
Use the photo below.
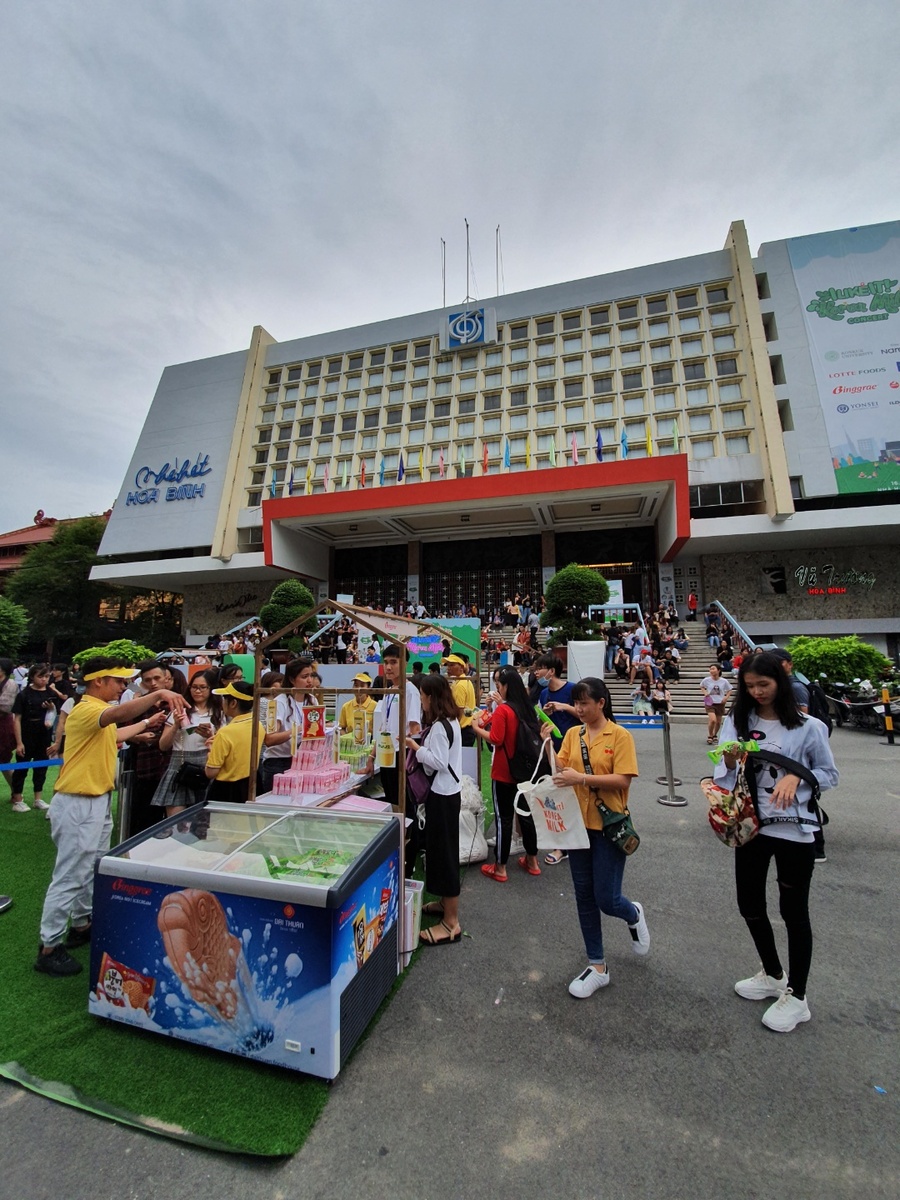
{"type": "Point", "coordinates": [13, 627]}
{"type": "Point", "coordinates": [124, 648]}
{"type": "Point", "coordinates": [569, 594]}
{"type": "Point", "coordinates": [54, 585]}
{"type": "Point", "coordinates": [841, 659]}
{"type": "Point", "coordinates": [288, 601]}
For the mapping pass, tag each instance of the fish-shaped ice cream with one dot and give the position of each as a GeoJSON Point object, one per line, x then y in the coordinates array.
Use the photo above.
{"type": "Point", "coordinates": [203, 952]}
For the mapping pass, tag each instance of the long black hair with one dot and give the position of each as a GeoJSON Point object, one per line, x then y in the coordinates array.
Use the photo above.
{"type": "Point", "coordinates": [785, 705]}
{"type": "Point", "coordinates": [441, 703]}
{"type": "Point", "coordinates": [591, 688]}
{"type": "Point", "coordinates": [517, 696]}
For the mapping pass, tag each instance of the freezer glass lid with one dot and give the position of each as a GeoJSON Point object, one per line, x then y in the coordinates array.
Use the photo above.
{"type": "Point", "coordinates": [314, 849]}
{"type": "Point", "coordinates": [205, 840]}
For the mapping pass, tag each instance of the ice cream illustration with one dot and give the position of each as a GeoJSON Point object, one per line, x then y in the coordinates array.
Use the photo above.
{"type": "Point", "coordinates": [209, 960]}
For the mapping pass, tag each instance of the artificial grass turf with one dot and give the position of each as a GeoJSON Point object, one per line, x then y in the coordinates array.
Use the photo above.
{"type": "Point", "coordinates": [167, 1086]}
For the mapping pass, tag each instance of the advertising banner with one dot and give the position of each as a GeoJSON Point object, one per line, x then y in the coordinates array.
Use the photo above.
{"type": "Point", "coordinates": [849, 286]}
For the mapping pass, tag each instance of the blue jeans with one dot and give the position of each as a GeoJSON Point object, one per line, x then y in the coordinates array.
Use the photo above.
{"type": "Point", "coordinates": [610, 655]}
{"type": "Point", "coordinates": [597, 877]}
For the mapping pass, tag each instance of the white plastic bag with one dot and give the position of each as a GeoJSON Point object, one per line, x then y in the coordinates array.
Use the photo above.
{"type": "Point", "coordinates": [556, 812]}
{"type": "Point", "coordinates": [472, 844]}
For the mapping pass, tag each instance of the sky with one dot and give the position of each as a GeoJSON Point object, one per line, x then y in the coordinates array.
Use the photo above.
{"type": "Point", "coordinates": [175, 173]}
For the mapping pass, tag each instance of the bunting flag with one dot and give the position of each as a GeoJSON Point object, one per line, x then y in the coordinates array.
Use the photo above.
{"type": "Point", "coordinates": [309, 476]}
{"type": "Point", "coordinates": [506, 459]}
{"type": "Point", "coordinates": [400, 471]}
{"type": "Point", "coordinates": [484, 459]}
{"type": "Point", "coordinates": [419, 462]}
{"type": "Point", "coordinates": [675, 449]}
{"type": "Point", "coordinates": [624, 443]}
{"type": "Point", "coordinates": [362, 475]}
{"type": "Point", "coordinates": [291, 482]}
{"type": "Point", "coordinates": [649, 442]}
{"type": "Point", "coordinates": [574, 450]}
{"type": "Point", "coordinates": [599, 447]}
{"type": "Point", "coordinates": [272, 487]}
{"type": "Point", "coordinates": [462, 460]}
{"type": "Point", "coordinates": [344, 474]}
{"type": "Point", "coordinates": [441, 463]}
{"type": "Point", "coordinates": [381, 473]}
{"type": "Point", "coordinates": [527, 452]}
{"type": "Point", "coordinates": [553, 453]}
{"type": "Point", "coordinates": [326, 477]}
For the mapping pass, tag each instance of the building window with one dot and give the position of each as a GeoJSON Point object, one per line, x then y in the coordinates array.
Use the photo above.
{"type": "Point", "coordinates": [267, 416]}
{"type": "Point", "coordinates": [466, 406]}
{"type": "Point", "coordinates": [544, 325]}
{"type": "Point", "coordinates": [658, 329]}
{"type": "Point", "coordinates": [491, 403]}
{"type": "Point", "coordinates": [355, 362]}
{"type": "Point", "coordinates": [737, 445]}
{"type": "Point", "coordinates": [573, 366]}
{"type": "Point", "coordinates": [601, 362]}
{"type": "Point", "coordinates": [574, 412]}
{"type": "Point", "coordinates": [398, 374]}
{"type": "Point", "coordinates": [686, 300]}
{"type": "Point", "coordinates": [493, 379]}
{"type": "Point", "coordinates": [688, 324]}
{"type": "Point", "coordinates": [371, 420]}
{"type": "Point", "coordinates": [723, 341]}
{"type": "Point", "coordinates": [726, 366]}
{"type": "Point", "coordinates": [440, 433]}
{"type": "Point", "coordinates": [546, 417]}
{"type": "Point", "coordinates": [604, 410]}
{"type": "Point", "coordinates": [394, 416]}
{"type": "Point", "coordinates": [265, 436]}
{"type": "Point", "coordinates": [695, 370]}
{"type": "Point", "coordinates": [493, 358]}
{"type": "Point", "coordinates": [442, 409]}
{"type": "Point", "coordinates": [373, 400]}
{"type": "Point", "coordinates": [288, 412]}
{"type": "Point", "coordinates": [699, 422]}
{"type": "Point", "coordinates": [326, 445]}
{"type": "Point", "coordinates": [311, 389]}
{"type": "Point", "coordinates": [347, 423]}
{"type": "Point", "coordinates": [518, 331]}
{"type": "Point", "coordinates": [546, 370]}
{"type": "Point", "coordinates": [703, 448]}
{"type": "Point", "coordinates": [313, 370]}
{"type": "Point", "coordinates": [630, 333]}
{"type": "Point", "coordinates": [274, 378]}
{"type": "Point", "coordinates": [664, 401]}
{"type": "Point", "coordinates": [570, 321]}
{"type": "Point", "coordinates": [716, 295]}
{"type": "Point", "coordinates": [630, 358]}
{"type": "Point", "coordinates": [518, 398]}
{"type": "Point", "coordinates": [631, 380]}
{"type": "Point", "coordinates": [262, 456]}
{"type": "Point", "coordinates": [392, 439]}
{"type": "Point", "coordinates": [571, 345]}
{"type": "Point", "coordinates": [518, 375]}
{"type": "Point", "coordinates": [376, 358]}
{"type": "Point", "coordinates": [284, 432]}
{"type": "Point", "coordinates": [722, 316]}
{"type": "Point", "coordinates": [398, 354]}
{"type": "Point", "coordinates": [417, 412]}
{"type": "Point", "coordinates": [601, 339]}
{"type": "Point", "coordinates": [518, 421]}
{"type": "Point", "coordinates": [573, 387]}
{"type": "Point", "coordinates": [327, 425]}
{"type": "Point", "coordinates": [661, 352]}
{"type": "Point", "coordinates": [465, 429]}
{"type": "Point", "coordinates": [420, 371]}
{"type": "Point", "coordinates": [627, 311]}
{"type": "Point", "coordinates": [603, 383]}
{"type": "Point", "coordinates": [254, 499]}
{"type": "Point", "coordinates": [518, 354]}
{"type": "Point", "coordinates": [346, 445]}
{"type": "Point", "coordinates": [416, 437]}
{"type": "Point", "coordinates": [599, 316]}
{"type": "Point", "coordinates": [659, 304]}
{"type": "Point", "coordinates": [698, 395]}
{"type": "Point", "coordinates": [423, 350]}
{"type": "Point", "coordinates": [329, 406]}
{"type": "Point", "coordinates": [368, 442]}
{"type": "Point", "coordinates": [734, 418]}
{"type": "Point", "coordinates": [691, 347]}
{"type": "Point", "coordinates": [729, 392]}
{"type": "Point", "coordinates": [442, 387]}
{"type": "Point", "coordinates": [546, 394]}
{"type": "Point", "coordinates": [419, 391]}
{"type": "Point", "coordinates": [376, 378]}
{"type": "Point", "coordinates": [634, 406]}
{"type": "Point", "coordinates": [490, 425]}
{"type": "Point", "coordinates": [444, 366]}
{"type": "Point", "coordinates": [294, 374]}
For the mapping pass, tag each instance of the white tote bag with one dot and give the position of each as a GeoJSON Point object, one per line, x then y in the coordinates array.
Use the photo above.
{"type": "Point", "coordinates": [556, 812]}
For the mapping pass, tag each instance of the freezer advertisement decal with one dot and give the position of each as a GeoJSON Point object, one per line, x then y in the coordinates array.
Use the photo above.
{"type": "Point", "coordinates": [249, 976]}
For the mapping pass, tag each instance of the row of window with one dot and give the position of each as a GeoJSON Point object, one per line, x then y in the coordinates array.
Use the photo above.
{"type": "Point", "coordinates": [566, 322]}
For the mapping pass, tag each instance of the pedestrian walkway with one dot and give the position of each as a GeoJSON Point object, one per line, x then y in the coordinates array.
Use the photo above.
{"type": "Point", "coordinates": [484, 1078]}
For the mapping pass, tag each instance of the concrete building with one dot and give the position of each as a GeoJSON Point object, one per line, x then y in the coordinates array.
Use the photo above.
{"type": "Point", "coordinates": [721, 422]}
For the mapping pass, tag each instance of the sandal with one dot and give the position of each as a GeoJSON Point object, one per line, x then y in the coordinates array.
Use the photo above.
{"type": "Point", "coordinates": [490, 869]}
{"type": "Point", "coordinates": [428, 935]}
{"type": "Point", "coordinates": [433, 908]}
{"type": "Point", "coordinates": [523, 863]}
{"type": "Point", "coordinates": [555, 857]}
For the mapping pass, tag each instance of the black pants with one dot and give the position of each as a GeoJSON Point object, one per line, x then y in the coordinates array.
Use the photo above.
{"type": "Point", "coordinates": [231, 791]}
{"type": "Point", "coordinates": [268, 769]}
{"type": "Point", "coordinates": [504, 795]}
{"type": "Point", "coordinates": [35, 743]}
{"type": "Point", "coordinates": [467, 736]}
{"type": "Point", "coordinates": [794, 863]}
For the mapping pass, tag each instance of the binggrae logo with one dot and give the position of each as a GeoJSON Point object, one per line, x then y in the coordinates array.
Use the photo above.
{"type": "Point", "coordinates": [877, 300]}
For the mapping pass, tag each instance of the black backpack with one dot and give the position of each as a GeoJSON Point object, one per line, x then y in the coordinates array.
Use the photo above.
{"type": "Point", "coordinates": [818, 705]}
{"type": "Point", "coordinates": [529, 747]}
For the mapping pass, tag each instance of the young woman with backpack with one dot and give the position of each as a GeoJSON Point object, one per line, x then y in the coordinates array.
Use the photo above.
{"type": "Point", "coordinates": [439, 750]}
{"type": "Point", "coordinates": [766, 710]}
{"type": "Point", "coordinates": [500, 732]}
{"type": "Point", "coordinates": [597, 872]}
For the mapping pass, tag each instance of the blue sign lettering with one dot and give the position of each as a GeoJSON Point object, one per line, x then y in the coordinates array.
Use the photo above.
{"type": "Point", "coordinates": [173, 474]}
{"type": "Point", "coordinates": [144, 496]}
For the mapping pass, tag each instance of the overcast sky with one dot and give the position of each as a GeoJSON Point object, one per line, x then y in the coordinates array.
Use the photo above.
{"type": "Point", "coordinates": [174, 173]}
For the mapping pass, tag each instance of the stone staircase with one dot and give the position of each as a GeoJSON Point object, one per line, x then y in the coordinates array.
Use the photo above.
{"type": "Point", "coordinates": [687, 700]}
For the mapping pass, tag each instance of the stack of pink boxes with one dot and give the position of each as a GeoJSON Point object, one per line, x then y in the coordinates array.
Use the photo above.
{"type": "Point", "coordinates": [313, 770]}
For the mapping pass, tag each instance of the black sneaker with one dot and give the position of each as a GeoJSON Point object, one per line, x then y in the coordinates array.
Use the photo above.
{"type": "Point", "coordinates": [78, 936]}
{"type": "Point", "coordinates": [57, 962]}
{"type": "Point", "coordinates": [820, 857]}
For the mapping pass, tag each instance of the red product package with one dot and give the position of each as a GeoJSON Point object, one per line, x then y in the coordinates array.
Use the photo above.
{"type": "Point", "coordinates": [123, 986]}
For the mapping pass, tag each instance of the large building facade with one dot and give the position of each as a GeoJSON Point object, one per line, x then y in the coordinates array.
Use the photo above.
{"type": "Point", "coordinates": [720, 423]}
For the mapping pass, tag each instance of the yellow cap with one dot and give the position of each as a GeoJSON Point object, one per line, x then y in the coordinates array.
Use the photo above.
{"type": "Point", "coordinates": [115, 672]}
{"type": "Point", "coordinates": [454, 658]}
{"type": "Point", "coordinates": [231, 690]}
{"type": "Point", "coordinates": [362, 678]}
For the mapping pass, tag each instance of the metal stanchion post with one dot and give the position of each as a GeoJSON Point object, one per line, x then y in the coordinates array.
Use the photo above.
{"type": "Point", "coordinates": [888, 717]}
{"type": "Point", "coordinates": [669, 799]}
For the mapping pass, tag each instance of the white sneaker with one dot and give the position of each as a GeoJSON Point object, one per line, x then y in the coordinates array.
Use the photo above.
{"type": "Point", "coordinates": [588, 982]}
{"type": "Point", "coordinates": [40, 805]}
{"type": "Point", "coordinates": [640, 934]}
{"type": "Point", "coordinates": [761, 986]}
{"type": "Point", "coordinates": [20, 806]}
{"type": "Point", "coordinates": [786, 1013]}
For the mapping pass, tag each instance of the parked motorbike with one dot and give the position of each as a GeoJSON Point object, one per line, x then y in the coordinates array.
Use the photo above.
{"type": "Point", "coordinates": [858, 704]}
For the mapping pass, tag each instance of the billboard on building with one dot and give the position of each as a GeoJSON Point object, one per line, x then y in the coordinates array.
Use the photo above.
{"type": "Point", "coordinates": [848, 285]}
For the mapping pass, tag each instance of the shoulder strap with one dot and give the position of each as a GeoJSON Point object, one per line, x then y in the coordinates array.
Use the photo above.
{"type": "Point", "coordinates": [795, 768]}
{"type": "Point", "coordinates": [448, 729]}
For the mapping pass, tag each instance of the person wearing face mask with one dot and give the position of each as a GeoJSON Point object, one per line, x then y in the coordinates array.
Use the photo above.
{"type": "Point", "coordinates": [297, 692]}
{"type": "Point", "coordinates": [556, 701]}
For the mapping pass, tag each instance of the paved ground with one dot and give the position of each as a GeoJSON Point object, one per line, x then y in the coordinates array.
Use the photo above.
{"type": "Point", "coordinates": [484, 1078]}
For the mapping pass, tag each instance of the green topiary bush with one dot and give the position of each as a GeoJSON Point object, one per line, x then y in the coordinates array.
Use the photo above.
{"type": "Point", "coordinates": [288, 601]}
{"type": "Point", "coordinates": [131, 652]}
{"type": "Point", "coordinates": [842, 659]}
{"type": "Point", "coordinates": [570, 593]}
